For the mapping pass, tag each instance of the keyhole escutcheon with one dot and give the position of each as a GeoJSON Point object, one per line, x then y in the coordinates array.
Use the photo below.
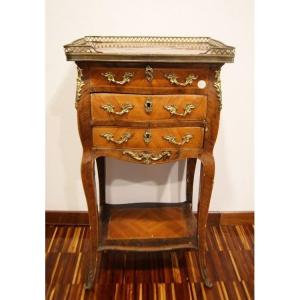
{"type": "Point", "coordinates": [148, 105]}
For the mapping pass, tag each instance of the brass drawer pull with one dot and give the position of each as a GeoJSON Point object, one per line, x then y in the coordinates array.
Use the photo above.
{"type": "Point", "coordinates": [172, 139]}
{"type": "Point", "coordinates": [111, 77]}
{"type": "Point", "coordinates": [188, 81]}
{"type": "Point", "coordinates": [172, 109]}
{"type": "Point", "coordinates": [110, 138]}
{"type": "Point", "coordinates": [125, 109]}
{"type": "Point", "coordinates": [148, 158]}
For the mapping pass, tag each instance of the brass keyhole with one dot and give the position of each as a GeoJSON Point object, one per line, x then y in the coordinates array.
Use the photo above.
{"type": "Point", "coordinates": [148, 105]}
{"type": "Point", "coordinates": [147, 137]}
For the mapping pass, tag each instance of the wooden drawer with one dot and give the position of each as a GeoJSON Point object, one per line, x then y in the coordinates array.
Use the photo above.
{"type": "Point", "coordinates": [133, 107]}
{"type": "Point", "coordinates": [122, 77]}
{"type": "Point", "coordinates": [155, 138]}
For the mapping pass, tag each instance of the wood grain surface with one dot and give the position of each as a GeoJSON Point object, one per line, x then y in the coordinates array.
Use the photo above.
{"type": "Point", "coordinates": [138, 113]}
{"type": "Point", "coordinates": [157, 139]}
{"type": "Point", "coordinates": [157, 275]}
{"type": "Point", "coordinates": [152, 222]}
{"type": "Point", "coordinates": [148, 227]}
{"type": "Point", "coordinates": [138, 78]}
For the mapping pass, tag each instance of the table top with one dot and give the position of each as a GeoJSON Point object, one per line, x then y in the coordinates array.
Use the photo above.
{"type": "Point", "coordinates": [150, 49]}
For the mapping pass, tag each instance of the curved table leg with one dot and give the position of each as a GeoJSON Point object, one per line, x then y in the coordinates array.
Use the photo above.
{"type": "Point", "coordinates": [190, 172]}
{"type": "Point", "coordinates": [88, 181]}
{"type": "Point", "coordinates": [101, 178]}
{"type": "Point", "coordinates": [206, 185]}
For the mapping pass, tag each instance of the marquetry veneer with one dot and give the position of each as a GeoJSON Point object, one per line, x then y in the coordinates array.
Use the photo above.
{"type": "Point", "coordinates": [148, 227]}
{"type": "Point", "coordinates": [147, 100]}
{"type": "Point", "coordinates": [138, 112]}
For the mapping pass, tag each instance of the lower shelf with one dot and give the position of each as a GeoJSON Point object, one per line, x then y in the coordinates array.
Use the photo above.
{"type": "Point", "coordinates": [148, 227]}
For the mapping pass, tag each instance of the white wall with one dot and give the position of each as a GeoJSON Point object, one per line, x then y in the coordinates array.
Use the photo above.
{"type": "Point", "coordinates": [229, 21]}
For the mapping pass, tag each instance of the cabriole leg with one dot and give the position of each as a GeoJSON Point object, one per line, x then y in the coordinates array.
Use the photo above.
{"type": "Point", "coordinates": [190, 172]}
{"type": "Point", "coordinates": [88, 181]}
{"type": "Point", "coordinates": [101, 178]}
{"type": "Point", "coordinates": [206, 185]}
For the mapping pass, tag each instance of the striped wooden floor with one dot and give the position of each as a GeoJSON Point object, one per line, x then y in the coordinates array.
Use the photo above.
{"type": "Point", "coordinates": [159, 276]}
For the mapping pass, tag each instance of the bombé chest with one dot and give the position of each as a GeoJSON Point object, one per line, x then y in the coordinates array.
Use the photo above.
{"type": "Point", "coordinates": [147, 100]}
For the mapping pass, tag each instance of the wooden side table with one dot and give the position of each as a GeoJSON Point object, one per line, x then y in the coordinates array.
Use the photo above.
{"type": "Point", "coordinates": [147, 100]}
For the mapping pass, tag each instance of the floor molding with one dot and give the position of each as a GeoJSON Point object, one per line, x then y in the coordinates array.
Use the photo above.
{"type": "Point", "coordinates": [80, 218]}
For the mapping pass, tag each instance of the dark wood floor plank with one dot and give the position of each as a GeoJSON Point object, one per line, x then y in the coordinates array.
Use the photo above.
{"type": "Point", "coordinates": [154, 275]}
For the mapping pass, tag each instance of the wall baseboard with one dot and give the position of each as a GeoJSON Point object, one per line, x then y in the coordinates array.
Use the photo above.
{"type": "Point", "coordinates": [214, 218]}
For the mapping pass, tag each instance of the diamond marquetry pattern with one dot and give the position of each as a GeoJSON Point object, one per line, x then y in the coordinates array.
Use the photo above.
{"type": "Point", "coordinates": [144, 223]}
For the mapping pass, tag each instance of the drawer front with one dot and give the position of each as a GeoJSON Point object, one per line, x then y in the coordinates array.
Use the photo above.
{"type": "Point", "coordinates": [149, 77]}
{"type": "Point", "coordinates": [154, 138]}
{"type": "Point", "coordinates": [148, 107]}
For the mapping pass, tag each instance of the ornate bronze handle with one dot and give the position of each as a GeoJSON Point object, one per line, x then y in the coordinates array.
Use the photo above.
{"type": "Point", "coordinates": [148, 158]}
{"type": "Point", "coordinates": [111, 77]}
{"type": "Point", "coordinates": [172, 109]}
{"type": "Point", "coordinates": [188, 81]}
{"type": "Point", "coordinates": [125, 109]}
{"type": "Point", "coordinates": [110, 137]}
{"type": "Point", "coordinates": [172, 139]}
